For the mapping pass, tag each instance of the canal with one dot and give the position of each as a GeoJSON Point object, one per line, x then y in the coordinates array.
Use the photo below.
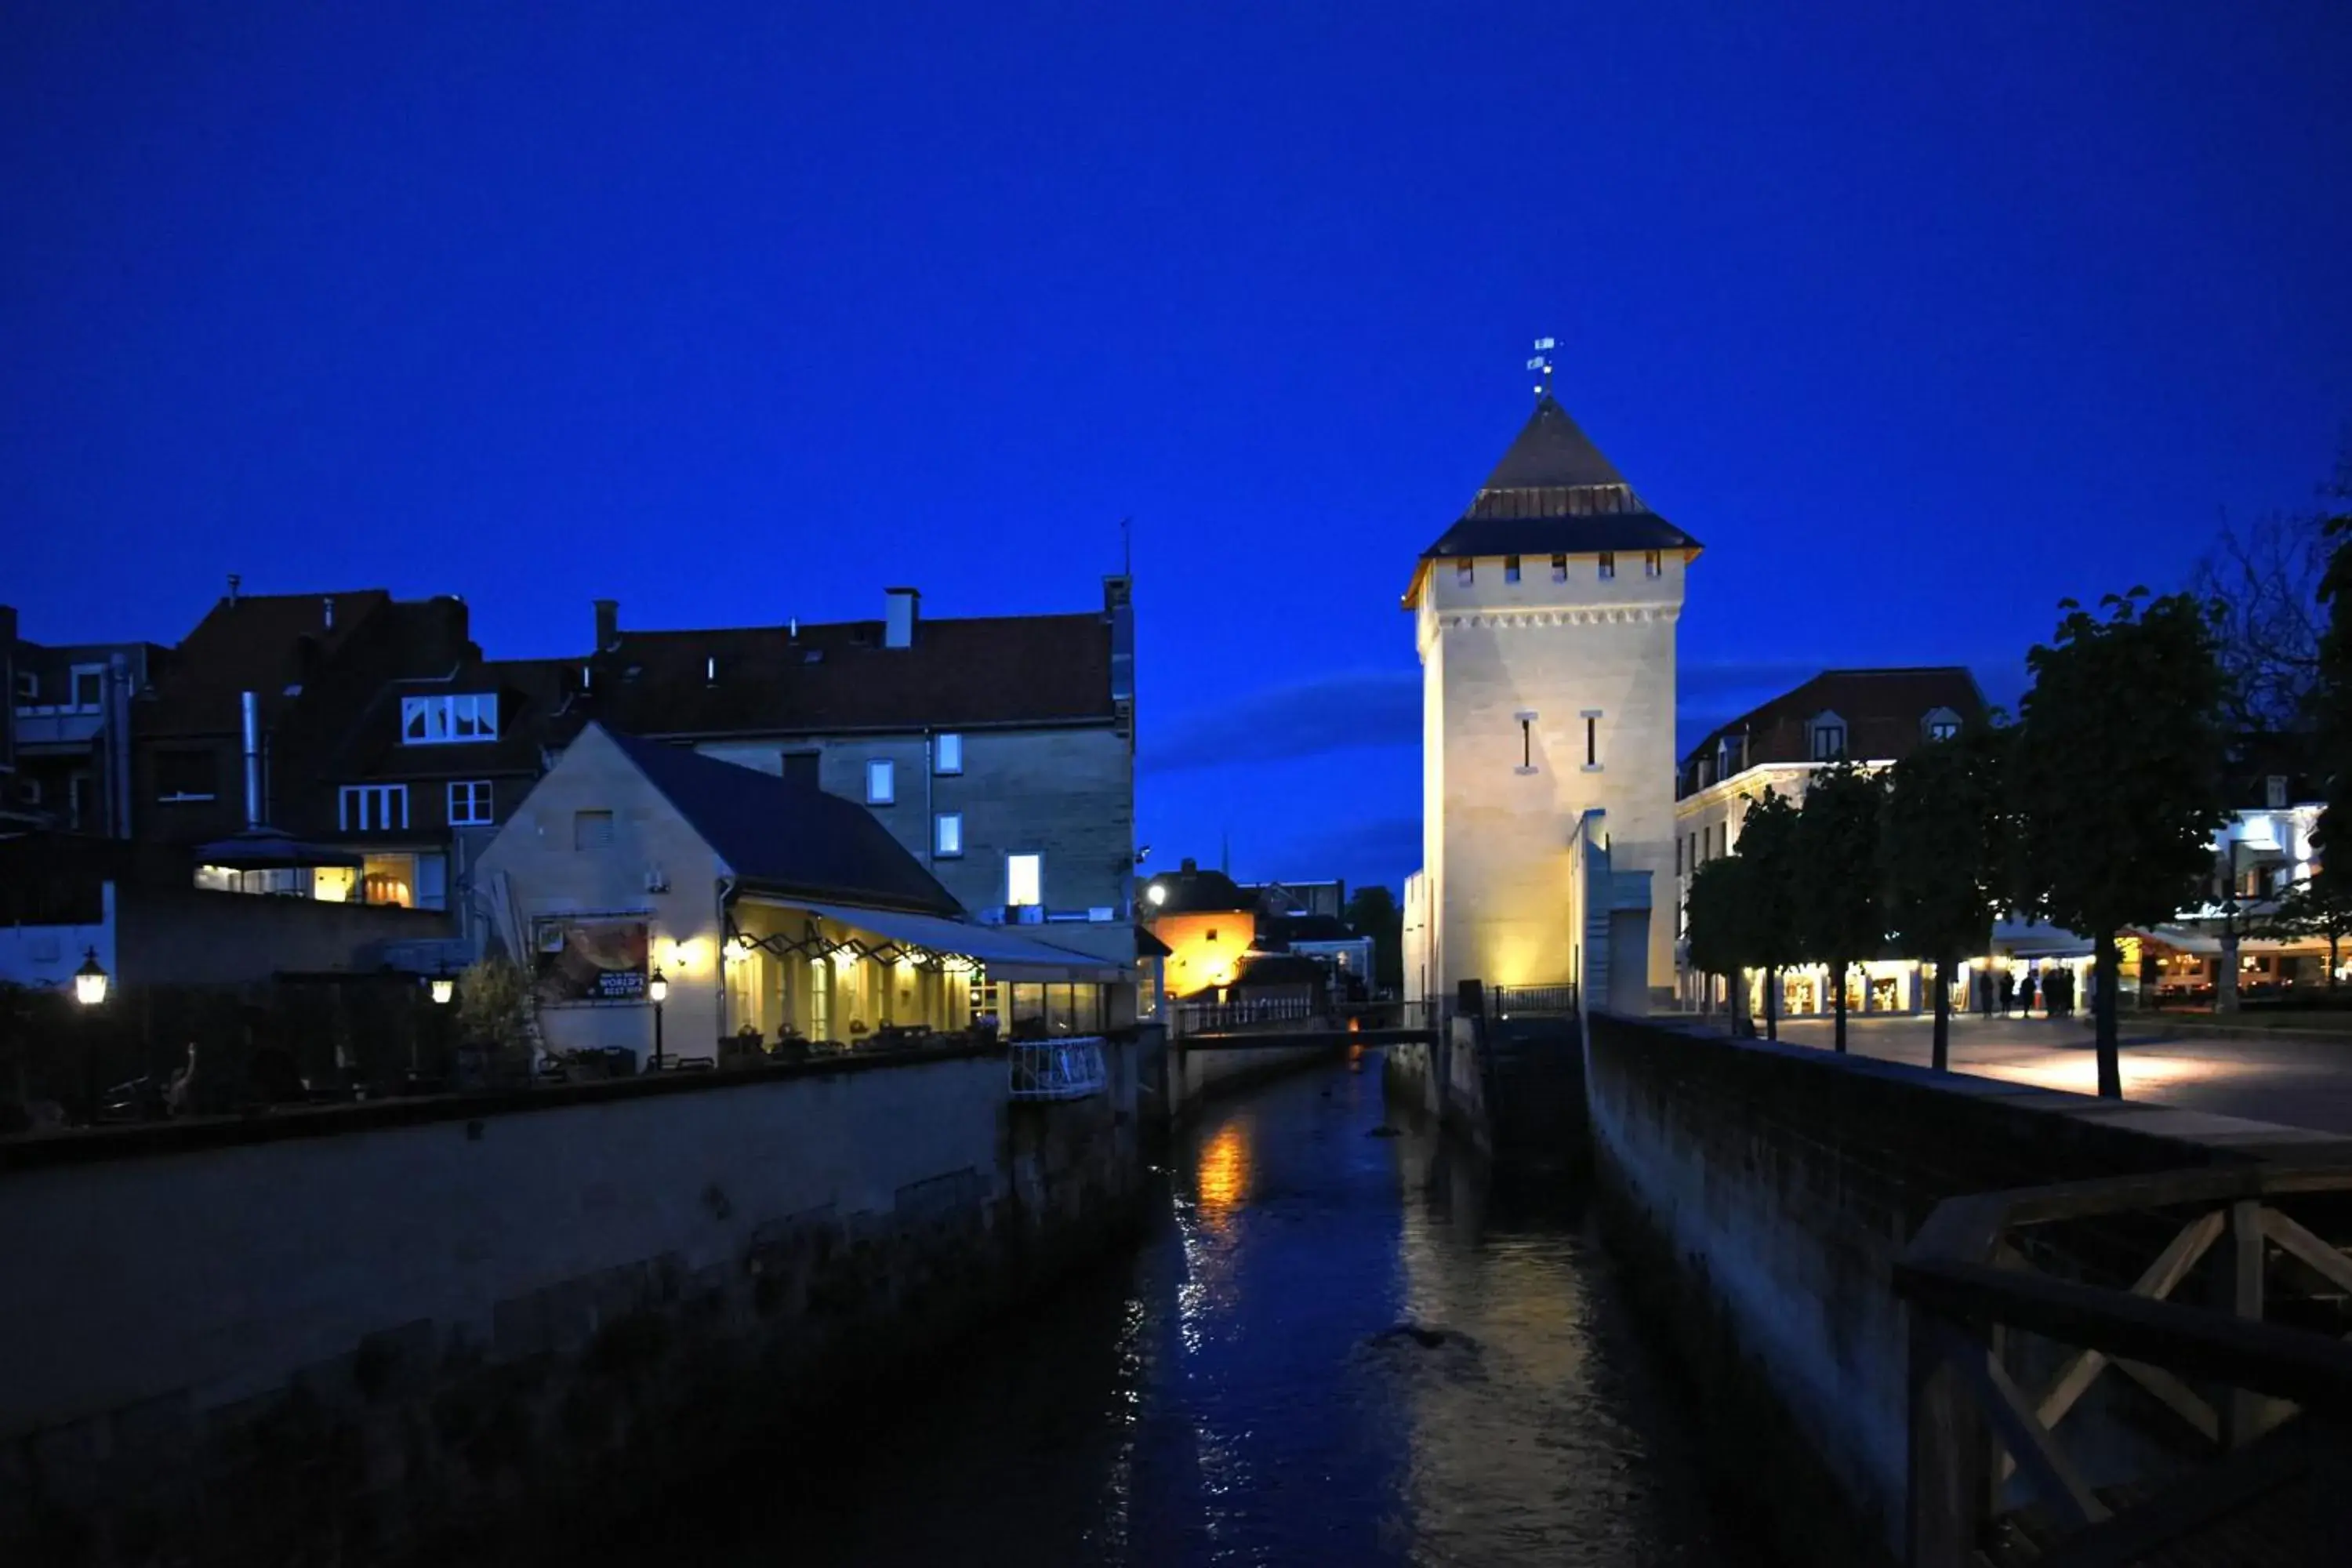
{"type": "Point", "coordinates": [1336, 1343]}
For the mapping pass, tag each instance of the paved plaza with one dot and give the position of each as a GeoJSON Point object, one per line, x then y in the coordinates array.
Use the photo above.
{"type": "Point", "coordinates": [2296, 1082]}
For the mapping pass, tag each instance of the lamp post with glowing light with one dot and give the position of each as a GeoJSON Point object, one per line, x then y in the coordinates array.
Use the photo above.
{"type": "Point", "coordinates": [657, 988]}
{"type": "Point", "coordinates": [442, 987]}
{"type": "Point", "coordinates": [90, 992]}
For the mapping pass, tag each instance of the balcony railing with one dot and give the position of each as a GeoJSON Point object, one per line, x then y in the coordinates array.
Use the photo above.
{"type": "Point", "coordinates": [1531, 1001]}
{"type": "Point", "coordinates": [1056, 1069]}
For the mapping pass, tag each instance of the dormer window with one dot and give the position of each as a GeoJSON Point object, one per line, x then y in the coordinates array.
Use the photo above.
{"type": "Point", "coordinates": [1940, 724]}
{"type": "Point", "coordinates": [1730, 753]}
{"type": "Point", "coordinates": [1829, 738]}
{"type": "Point", "coordinates": [450, 721]}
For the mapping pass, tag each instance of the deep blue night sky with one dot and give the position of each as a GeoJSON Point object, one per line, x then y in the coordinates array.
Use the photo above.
{"type": "Point", "coordinates": [1919, 320]}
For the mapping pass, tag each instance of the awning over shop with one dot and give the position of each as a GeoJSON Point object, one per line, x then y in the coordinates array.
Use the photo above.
{"type": "Point", "coordinates": [1003, 953]}
{"type": "Point", "coordinates": [267, 849]}
{"type": "Point", "coordinates": [2181, 939]}
{"type": "Point", "coordinates": [2020, 939]}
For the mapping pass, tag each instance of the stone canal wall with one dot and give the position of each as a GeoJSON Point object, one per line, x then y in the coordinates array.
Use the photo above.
{"type": "Point", "coordinates": [1198, 1070]}
{"type": "Point", "coordinates": [371, 1333]}
{"type": "Point", "coordinates": [1443, 1079]}
{"type": "Point", "coordinates": [1762, 1193]}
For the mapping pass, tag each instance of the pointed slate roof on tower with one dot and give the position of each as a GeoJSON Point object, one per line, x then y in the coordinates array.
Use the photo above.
{"type": "Point", "coordinates": [1553, 494]}
{"type": "Point", "coordinates": [1551, 453]}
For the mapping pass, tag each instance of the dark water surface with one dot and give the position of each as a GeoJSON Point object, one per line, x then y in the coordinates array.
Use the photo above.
{"type": "Point", "coordinates": [1238, 1390]}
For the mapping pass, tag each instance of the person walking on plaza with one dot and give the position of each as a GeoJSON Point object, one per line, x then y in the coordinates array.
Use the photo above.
{"type": "Point", "coordinates": [2026, 995]}
{"type": "Point", "coordinates": [2007, 991]}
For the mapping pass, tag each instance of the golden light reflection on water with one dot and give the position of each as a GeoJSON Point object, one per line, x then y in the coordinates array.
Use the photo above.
{"type": "Point", "coordinates": [1223, 1179]}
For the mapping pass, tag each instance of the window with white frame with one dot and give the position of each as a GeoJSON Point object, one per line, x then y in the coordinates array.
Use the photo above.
{"type": "Point", "coordinates": [1829, 738]}
{"type": "Point", "coordinates": [1025, 879]}
{"type": "Point", "coordinates": [947, 754]}
{"type": "Point", "coordinates": [88, 688]}
{"type": "Point", "coordinates": [372, 808]}
{"type": "Point", "coordinates": [947, 834]}
{"type": "Point", "coordinates": [881, 782]}
{"type": "Point", "coordinates": [469, 803]}
{"type": "Point", "coordinates": [450, 721]}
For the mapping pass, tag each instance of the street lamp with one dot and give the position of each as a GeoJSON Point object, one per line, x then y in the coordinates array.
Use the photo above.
{"type": "Point", "coordinates": [90, 990]}
{"type": "Point", "coordinates": [657, 987]}
{"type": "Point", "coordinates": [443, 986]}
{"type": "Point", "coordinates": [90, 979]}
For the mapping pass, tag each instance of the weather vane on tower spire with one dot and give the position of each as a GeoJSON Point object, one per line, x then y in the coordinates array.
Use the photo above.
{"type": "Point", "coordinates": [1541, 365]}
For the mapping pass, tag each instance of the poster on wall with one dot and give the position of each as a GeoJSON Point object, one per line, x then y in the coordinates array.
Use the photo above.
{"type": "Point", "coordinates": [589, 958]}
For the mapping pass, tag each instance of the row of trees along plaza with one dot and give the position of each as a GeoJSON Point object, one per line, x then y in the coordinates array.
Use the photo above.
{"type": "Point", "coordinates": [2094, 810]}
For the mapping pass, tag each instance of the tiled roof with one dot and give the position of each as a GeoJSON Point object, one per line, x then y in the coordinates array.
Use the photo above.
{"type": "Point", "coordinates": [261, 643]}
{"type": "Point", "coordinates": [1551, 451]}
{"type": "Point", "coordinates": [959, 674]}
{"type": "Point", "coordinates": [788, 836]}
{"type": "Point", "coordinates": [1553, 494]}
{"type": "Point", "coordinates": [1884, 711]}
{"type": "Point", "coordinates": [1192, 891]}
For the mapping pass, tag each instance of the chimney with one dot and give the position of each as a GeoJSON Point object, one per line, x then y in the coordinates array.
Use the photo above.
{"type": "Point", "coordinates": [1189, 866]}
{"type": "Point", "coordinates": [252, 761]}
{"type": "Point", "coordinates": [608, 625]}
{"type": "Point", "coordinates": [233, 581]}
{"type": "Point", "coordinates": [899, 620]}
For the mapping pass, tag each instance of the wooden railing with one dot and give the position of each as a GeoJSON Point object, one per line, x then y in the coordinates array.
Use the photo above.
{"type": "Point", "coordinates": [2266, 1404]}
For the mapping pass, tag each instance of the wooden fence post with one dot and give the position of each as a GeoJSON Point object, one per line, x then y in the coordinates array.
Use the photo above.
{"type": "Point", "coordinates": [1946, 1477]}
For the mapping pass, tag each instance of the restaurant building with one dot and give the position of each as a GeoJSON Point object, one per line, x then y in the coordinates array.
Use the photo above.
{"type": "Point", "coordinates": [775, 912]}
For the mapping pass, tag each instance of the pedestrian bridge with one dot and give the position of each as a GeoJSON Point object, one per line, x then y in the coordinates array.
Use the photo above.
{"type": "Point", "coordinates": [1359, 1023]}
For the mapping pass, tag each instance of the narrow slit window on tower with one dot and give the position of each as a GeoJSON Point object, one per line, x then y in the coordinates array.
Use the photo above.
{"type": "Point", "coordinates": [1591, 716]}
{"type": "Point", "coordinates": [1654, 562]}
{"type": "Point", "coordinates": [1511, 568]}
{"type": "Point", "coordinates": [1526, 719]}
{"type": "Point", "coordinates": [1608, 563]}
{"type": "Point", "coordinates": [1462, 571]}
{"type": "Point", "coordinates": [1559, 568]}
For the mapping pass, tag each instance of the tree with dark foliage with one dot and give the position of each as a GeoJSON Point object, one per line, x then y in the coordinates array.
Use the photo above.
{"type": "Point", "coordinates": [1840, 919]}
{"type": "Point", "coordinates": [1941, 847]}
{"type": "Point", "coordinates": [1372, 912]}
{"type": "Point", "coordinates": [1717, 917]}
{"type": "Point", "coordinates": [1768, 843]}
{"type": "Point", "coordinates": [2117, 777]}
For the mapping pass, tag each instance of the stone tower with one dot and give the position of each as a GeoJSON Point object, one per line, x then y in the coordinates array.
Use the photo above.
{"type": "Point", "coordinates": [1545, 618]}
